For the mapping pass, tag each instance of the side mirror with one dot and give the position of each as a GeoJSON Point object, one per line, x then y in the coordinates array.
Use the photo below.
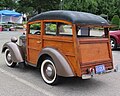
{"type": "Point", "coordinates": [14, 39]}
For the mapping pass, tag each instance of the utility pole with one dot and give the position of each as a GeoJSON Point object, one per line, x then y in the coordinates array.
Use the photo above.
{"type": "Point", "coordinates": [61, 4]}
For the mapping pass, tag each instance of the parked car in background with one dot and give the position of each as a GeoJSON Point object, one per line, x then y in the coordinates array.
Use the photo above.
{"type": "Point", "coordinates": [115, 39]}
{"type": "Point", "coordinates": [62, 43]}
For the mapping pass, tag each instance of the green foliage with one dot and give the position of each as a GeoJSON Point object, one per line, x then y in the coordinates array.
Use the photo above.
{"type": "Point", "coordinates": [53, 27]}
{"type": "Point", "coordinates": [107, 7]}
{"type": "Point", "coordinates": [116, 21]}
{"type": "Point", "coordinates": [33, 7]}
{"type": "Point", "coordinates": [35, 26]}
{"type": "Point", "coordinates": [81, 5]}
{"type": "Point", "coordinates": [8, 4]}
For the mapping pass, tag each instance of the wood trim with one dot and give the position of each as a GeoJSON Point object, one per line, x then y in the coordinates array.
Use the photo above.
{"type": "Point", "coordinates": [58, 38]}
{"type": "Point", "coordinates": [34, 22]}
{"type": "Point", "coordinates": [102, 61]}
{"type": "Point", "coordinates": [93, 40]}
{"type": "Point", "coordinates": [42, 32]}
{"type": "Point", "coordinates": [70, 54]}
{"type": "Point", "coordinates": [34, 36]}
{"type": "Point", "coordinates": [27, 42]}
{"type": "Point", "coordinates": [62, 21]}
{"type": "Point", "coordinates": [106, 30]}
{"type": "Point", "coordinates": [97, 26]}
{"type": "Point", "coordinates": [32, 48]}
{"type": "Point", "coordinates": [77, 68]}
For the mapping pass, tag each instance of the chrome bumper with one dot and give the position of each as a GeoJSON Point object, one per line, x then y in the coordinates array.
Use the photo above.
{"type": "Point", "coordinates": [88, 76]}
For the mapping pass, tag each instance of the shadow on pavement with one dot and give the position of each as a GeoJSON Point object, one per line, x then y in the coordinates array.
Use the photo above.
{"type": "Point", "coordinates": [118, 49]}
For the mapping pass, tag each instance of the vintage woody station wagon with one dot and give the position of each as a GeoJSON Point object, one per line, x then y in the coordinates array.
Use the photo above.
{"type": "Point", "coordinates": [63, 43]}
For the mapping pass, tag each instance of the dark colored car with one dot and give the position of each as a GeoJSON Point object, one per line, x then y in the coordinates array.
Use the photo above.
{"type": "Point", "coordinates": [115, 39]}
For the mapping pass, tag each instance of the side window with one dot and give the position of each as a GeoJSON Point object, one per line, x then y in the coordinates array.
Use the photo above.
{"type": "Point", "coordinates": [65, 29]}
{"type": "Point", "coordinates": [50, 28]}
{"type": "Point", "coordinates": [35, 28]}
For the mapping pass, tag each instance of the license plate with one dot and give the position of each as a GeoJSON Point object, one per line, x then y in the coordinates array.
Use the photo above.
{"type": "Point", "coordinates": [100, 69]}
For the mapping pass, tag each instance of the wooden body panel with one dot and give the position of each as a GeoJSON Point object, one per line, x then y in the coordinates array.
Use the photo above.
{"type": "Point", "coordinates": [33, 47]}
{"type": "Point", "coordinates": [64, 45]}
{"type": "Point", "coordinates": [94, 52]}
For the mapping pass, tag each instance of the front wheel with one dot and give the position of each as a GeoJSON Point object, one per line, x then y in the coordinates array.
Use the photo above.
{"type": "Point", "coordinates": [48, 72]}
{"type": "Point", "coordinates": [8, 59]}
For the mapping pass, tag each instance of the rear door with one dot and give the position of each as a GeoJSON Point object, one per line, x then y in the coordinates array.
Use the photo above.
{"type": "Point", "coordinates": [33, 42]}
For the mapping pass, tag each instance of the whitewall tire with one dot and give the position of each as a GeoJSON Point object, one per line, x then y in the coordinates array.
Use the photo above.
{"type": "Point", "coordinates": [48, 72]}
{"type": "Point", "coordinates": [8, 59]}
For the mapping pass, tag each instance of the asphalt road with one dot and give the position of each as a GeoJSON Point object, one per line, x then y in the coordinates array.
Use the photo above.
{"type": "Point", "coordinates": [28, 82]}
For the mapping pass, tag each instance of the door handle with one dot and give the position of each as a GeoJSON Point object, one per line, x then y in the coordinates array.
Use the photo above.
{"type": "Point", "coordinates": [38, 42]}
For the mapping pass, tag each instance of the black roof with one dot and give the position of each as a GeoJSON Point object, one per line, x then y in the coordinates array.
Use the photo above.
{"type": "Point", "coordinates": [74, 17]}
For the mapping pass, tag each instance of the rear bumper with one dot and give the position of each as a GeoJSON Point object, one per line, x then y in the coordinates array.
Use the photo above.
{"type": "Point", "coordinates": [88, 76]}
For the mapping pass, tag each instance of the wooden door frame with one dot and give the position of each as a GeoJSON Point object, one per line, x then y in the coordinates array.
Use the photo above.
{"type": "Point", "coordinates": [27, 35]}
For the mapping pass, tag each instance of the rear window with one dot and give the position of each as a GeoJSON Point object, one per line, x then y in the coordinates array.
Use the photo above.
{"type": "Point", "coordinates": [89, 32]}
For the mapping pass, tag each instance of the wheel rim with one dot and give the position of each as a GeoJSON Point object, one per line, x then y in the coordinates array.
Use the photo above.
{"type": "Point", "coordinates": [48, 71]}
{"type": "Point", "coordinates": [112, 43]}
{"type": "Point", "coordinates": [8, 58]}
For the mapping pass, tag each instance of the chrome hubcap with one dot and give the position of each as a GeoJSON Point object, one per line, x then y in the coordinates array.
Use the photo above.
{"type": "Point", "coordinates": [49, 71]}
{"type": "Point", "coordinates": [9, 57]}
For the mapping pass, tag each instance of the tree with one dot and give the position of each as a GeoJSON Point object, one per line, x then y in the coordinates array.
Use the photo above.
{"type": "Point", "coordinates": [24, 6]}
{"type": "Point", "coordinates": [108, 7]}
{"type": "Point", "coordinates": [8, 4]}
{"type": "Point", "coordinates": [81, 5]}
{"type": "Point", "coordinates": [32, 7]}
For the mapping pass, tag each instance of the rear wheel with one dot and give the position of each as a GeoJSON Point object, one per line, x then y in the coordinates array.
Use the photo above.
{"type": "Point", "coordinates": [48, 72]}
{"type": "Point", "coordinates": [8, 59]}
{"type": "Point", "coordinates": [113, 43]}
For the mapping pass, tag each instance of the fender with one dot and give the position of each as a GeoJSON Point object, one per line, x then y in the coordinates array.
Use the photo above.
{"type": "Point", "coordinates": [62, 66]}
{"type": "Point", "coordinates": [15, 50]}
{"type": "Point", "coordinates": [116, 38]}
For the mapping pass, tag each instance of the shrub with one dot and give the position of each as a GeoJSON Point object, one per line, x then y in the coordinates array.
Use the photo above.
{"type": "Point", "coordinates": [119, 23]}
{"type": "Point", "coordinates": [115, 21]}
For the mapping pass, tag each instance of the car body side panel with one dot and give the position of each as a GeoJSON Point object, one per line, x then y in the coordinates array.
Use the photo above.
{"type": "Point", "coordinates": [116, 35]}
{"type": "Point", "coordinates": [62, 66]}
{"type": "Point", "coordinates": [16, 51]}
